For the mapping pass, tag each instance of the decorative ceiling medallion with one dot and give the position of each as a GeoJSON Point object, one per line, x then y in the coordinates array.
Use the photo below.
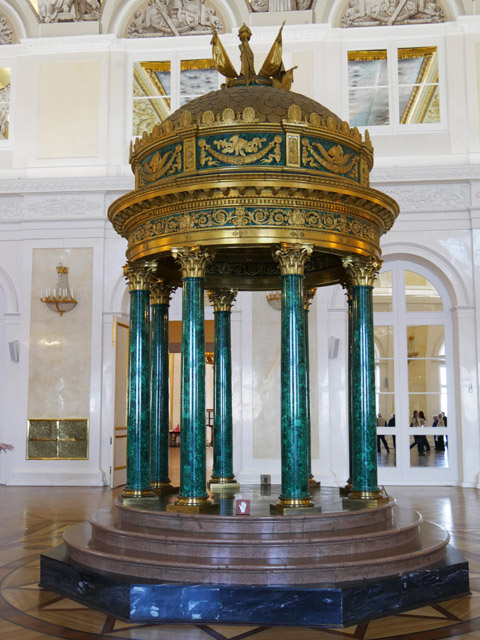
{"type": "Point", "coordinates": [381, 13]}
{"type": "Point", "coordinates": [157, 18]}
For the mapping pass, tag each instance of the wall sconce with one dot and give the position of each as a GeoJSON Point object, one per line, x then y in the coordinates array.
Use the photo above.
{"type": "Point", "coordinates": [208, 357]}
{"type": "Point", "coordinates": [411, 348]}
{"type": "Point", "coordinates": [61, 298]}
{"type": "Point", "coordinates": [274, 299]}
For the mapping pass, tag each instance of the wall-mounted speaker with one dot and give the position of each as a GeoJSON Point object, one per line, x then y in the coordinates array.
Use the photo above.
{"type": "Point", "coordinates": [14, 347]}
{"type": "Point", "coordinates": [333, 344]}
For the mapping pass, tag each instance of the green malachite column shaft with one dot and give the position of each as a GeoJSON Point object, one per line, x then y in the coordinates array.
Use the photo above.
{"type": "Point", "coordinates": [364, 449]}
{"type": "Point", "coordinates": [222, 372]}
{"type": "Point", "coordinates": [192, 414]}
{"type": "Point", "coordinates": [159, 396]}
{"type": "Point", "coordinates": [307, 389]}
{"type": "Point", "coordinates": [350, 393]}
{"type": "Point", "coordinates": [138, 414]}
{"type": "Point", "coordinates": [294, 435]}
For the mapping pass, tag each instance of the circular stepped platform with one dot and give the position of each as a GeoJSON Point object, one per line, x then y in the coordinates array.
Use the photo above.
{"type": "Point", "coordinates": [332, 547]}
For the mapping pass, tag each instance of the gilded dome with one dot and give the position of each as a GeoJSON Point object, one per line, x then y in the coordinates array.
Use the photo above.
{"type": "Point", "coordinates": [270, 104]}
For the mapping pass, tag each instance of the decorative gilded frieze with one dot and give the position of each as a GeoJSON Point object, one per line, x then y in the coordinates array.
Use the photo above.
{"type": "Point", "coordinates": [360, 272]}
{"type": "Point", "coordinates": [240, 150]}
{"type": "Point", "coordinates": [161, 291]}
{"type": "Point", "coordinates": [239, 219]}
{"type": "Point", "coordinates": [222, 299]}
{"type": "Point", "coordinates": [292, 258]}
{"type": "Point", "coordinates": [161, 164]}
{"type": "Point", "coordinates": [293, 150]}
{"type": "Point", "coordinates": [139, 275]}
{"type": "Point", "coordinates": [332, 159]}
{"type": "Point", "coordinates": [189, 155]}
{"type": "Point", "coordinates": [193, 261]}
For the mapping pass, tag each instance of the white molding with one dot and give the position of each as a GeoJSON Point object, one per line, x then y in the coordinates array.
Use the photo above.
{"type": "Point", "coordinates": [43, 478]}
{"type": "Point", "coordinates": [453, 173]}
{"type": "Point", "coordinates": [88, 43]}
{"type": "Point", "coordinates": [463, 312]}
{"type": "Point", "coordinates": [54, 185]}
{"type": "Point", "coordinates": [430, 197]}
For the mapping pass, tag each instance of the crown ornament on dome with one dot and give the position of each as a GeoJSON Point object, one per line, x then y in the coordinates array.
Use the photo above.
{"type": "Point", "coordinates": [272, 73]}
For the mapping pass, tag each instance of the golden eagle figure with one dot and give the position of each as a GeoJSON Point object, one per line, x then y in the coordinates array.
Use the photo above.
{"type": "Point", "coordinates": [221, 59]}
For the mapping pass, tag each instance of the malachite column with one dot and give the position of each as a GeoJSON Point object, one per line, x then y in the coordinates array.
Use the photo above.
{"type": "Point", "coordinates": [193, 483]}
{"type": "Point", "coordinates": [160, 293]}
{"type": "Point", "coordinates": [294, 426]}
{"type": "Point", "coordinates": [360, 275]}
{"type": "Point", "coordinates": [309, 294]}
{"type": "Point", "coordinates": [139, 277]}
{"type": "Point", "coordinates": [222, 472]}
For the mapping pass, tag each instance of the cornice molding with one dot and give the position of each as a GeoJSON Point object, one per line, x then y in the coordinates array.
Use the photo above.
{"type": "Point", "coordinates": [90, 43]}
{"type": "Point", "coordinates": [424, 174]}
{"type": "Point", "coordinates": [72, 185]}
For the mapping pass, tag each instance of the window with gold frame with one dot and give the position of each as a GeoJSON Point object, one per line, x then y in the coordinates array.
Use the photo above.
{"type": "Point", "coordinates": [394, 86]}
{"type": "Point", "coordinates": [161, 87]}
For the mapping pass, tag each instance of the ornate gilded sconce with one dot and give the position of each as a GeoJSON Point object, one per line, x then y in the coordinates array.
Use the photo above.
{"type": "Point", "coordinates": [274, 299]}
{"type": "Point", "coordinates": [61, 298]}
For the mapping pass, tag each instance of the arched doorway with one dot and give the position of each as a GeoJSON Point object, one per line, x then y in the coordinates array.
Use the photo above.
{"type": "Point", "coordinates": [414, 373]}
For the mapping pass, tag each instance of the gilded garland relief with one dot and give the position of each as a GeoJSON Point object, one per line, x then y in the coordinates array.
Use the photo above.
{"type": "Point", "coordinates": [174, 18]}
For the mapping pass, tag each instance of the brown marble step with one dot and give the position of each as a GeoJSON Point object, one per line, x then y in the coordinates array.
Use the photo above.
{"type": "Point", "coordinates": [305, 570]}
{"type": "Point", "coordinates": [152, 517]}
{"type": "Point", "coordinates": [108, 529]}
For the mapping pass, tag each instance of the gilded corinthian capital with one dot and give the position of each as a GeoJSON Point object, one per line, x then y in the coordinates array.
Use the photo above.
{"type": "Point", "coordinates": [161, 291]}
{"type": "Point", "coordinates": [308, 295]}
{"type": "Point", "coordinates": [193, 260]}
{"type": "Point", "coordinates": [139, 275]}
{"type": "Point", "coordinates": [360, 271]}
{"type": "Point", "coordinates": [292, 258]}
{"type": "Point", "coordinates": [222, 299]}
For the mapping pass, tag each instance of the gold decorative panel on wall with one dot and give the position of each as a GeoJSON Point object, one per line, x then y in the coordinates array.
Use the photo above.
{"type": "Point", "coordinates": [65, 439]}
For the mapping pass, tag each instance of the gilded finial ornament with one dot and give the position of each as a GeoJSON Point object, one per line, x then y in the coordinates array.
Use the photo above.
{"type": "Point", "coordinates": [272, 72]}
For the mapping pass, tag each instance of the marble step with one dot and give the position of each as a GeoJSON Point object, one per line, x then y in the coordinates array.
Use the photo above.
{"type": "Point", "coordinates": [83, 549]}
{"type": "Point", "coordinates": [402, 530]}
{"type": "Point", "coordinates": [152, 516]}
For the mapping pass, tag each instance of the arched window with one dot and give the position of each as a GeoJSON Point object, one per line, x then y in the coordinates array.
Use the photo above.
{"type": "Point", "coordinates": [413, 378]}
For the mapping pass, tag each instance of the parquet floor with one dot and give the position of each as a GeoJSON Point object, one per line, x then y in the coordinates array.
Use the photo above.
{"type": "Point", "coordinates": [33, 519]}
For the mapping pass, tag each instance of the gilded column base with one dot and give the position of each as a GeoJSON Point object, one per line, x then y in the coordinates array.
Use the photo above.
{"type": "Point", "coordinates": [367, 498]}
{"type": "Point", "coordinates": [292, 506]}
{"type": "Point", "coordinates": [138, 493]}
{"type": "Point", "coordinates": [193, 505]}
{"type": "Point", "coordinates": [312, 483]}
{"type": "Point", "coordinates": [221, 483]}
{"type": "Point", "coordinates": [164, 488]}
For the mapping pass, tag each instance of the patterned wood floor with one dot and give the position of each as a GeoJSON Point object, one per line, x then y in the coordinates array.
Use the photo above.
{"type": "Point", "coordinates": [33, 520]}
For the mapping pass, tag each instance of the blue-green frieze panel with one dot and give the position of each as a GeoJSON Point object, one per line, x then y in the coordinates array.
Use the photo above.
{"type": "Point", "coordinates": [249, 150]}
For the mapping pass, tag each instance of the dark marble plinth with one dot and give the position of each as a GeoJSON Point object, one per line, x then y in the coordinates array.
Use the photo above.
{"type": "Point", "coordinates": [135, 600]}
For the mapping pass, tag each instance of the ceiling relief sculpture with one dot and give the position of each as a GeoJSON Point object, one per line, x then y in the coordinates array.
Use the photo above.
{"type": "Point", "coordinates": [375, 13]}
{"type": "Point", "coordinates": [6, 34]}
{"type": "Point", "coordinates": [174, 18]}
{"type": "Point", "coordinates": [279, 5]}
{"type": "Point", "coordinates": [68, 10]}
